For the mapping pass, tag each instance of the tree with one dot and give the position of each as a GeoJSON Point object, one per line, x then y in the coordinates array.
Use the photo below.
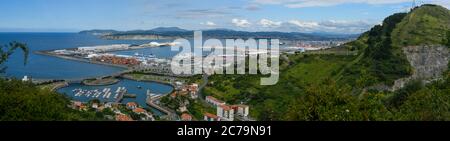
{"type": "Point", "coordinates": [448, 39]}
{"type": "Point", "coordinates": [8, 50]}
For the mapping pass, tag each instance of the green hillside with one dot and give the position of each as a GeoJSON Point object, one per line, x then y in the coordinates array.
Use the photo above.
{"type": "Point", "coordinates": [332, 87]}
{"type": "Point", "coordinates": [383, 60]}
{"type": "Point", "coordinates": [25, 102]}
{"type": "Point", "coordinates": [424, 25]}
{"type": "Point", "coordinates": [380, 62]}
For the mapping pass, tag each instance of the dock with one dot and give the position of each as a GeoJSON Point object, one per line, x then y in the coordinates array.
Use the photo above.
{"type": "Point", "coordinates": [120, 97]}
{"type": "Point", "coordinates": [150, 100]}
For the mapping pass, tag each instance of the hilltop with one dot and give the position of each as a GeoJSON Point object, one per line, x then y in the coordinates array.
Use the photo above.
{"type": "Point", "coordinates": [175, 32]}
{"type": "Point", "coordinates": [423, 25]}
{"type": "Point", "coordinates": [398, 48]}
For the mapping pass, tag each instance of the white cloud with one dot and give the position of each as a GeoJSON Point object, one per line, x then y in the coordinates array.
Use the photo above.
{"type": "Point", "coordinates": [445, 3]}
{"type": "Point", "coordinates": [241, 22]}
{"type": "Point", "coordinates": [269, 23]}
{"type": "Point", "coordinates": [209, 23]}
{"type": "Point", "coordinates": [321, 3]}
{"type": "Point", "coordinates": [303, 24]}
{"type": "Point", "coordinates": [336, 26]}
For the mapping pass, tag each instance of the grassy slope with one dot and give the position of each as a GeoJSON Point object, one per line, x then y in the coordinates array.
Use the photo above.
{"type": "Point", "coordinates": [308, 70]}
{"type": "Point", "coordinates": [424, 25]}
{"type": "Point", "coordinates": [320, 87]}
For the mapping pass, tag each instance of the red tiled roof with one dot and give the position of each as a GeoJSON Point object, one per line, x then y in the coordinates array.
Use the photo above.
{"type": "Point", "coordinates": [139, 110]}
{"type": "Point", "coordinates": [77, 103]}
{"type": "Point", "coordinates": [174, 94]}
{"type": "Point", "coordinates": [183, 93]}
{"type": "Point", "coordinates": [225, 107]}
{"type": "Point", "coordinates": [239, 105]}
{"type": "Point", "coordinates": [214, 99]}
{"type": "Point", "coordinates": [209, 115]}
{"type": "Point", "coordinates": [123, 118]}
{"type": "Point", "coordinates": [130, 104]}
{"type": "Point", "coordinates": [186, 117]}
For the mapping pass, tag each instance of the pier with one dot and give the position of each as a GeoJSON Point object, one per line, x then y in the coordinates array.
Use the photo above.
{"type": "Point", "coordinates": [150, 100]}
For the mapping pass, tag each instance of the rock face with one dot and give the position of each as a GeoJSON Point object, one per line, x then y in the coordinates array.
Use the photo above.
{"type": "Point", "coordinates": [428, 62]}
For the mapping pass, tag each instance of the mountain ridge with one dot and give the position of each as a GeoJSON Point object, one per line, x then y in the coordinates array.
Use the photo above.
{"type": "Point", "coordinates": [385, 56]}
{"type": "Point", "coordinates": [175, 32]}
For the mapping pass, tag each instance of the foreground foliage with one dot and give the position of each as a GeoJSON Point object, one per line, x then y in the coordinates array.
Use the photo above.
{"type": "Point", "coordinates": [21, 101]}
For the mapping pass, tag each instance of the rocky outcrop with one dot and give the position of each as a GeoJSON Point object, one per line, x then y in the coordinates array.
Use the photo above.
{"type": "Point", "coordinates": [428, 63]}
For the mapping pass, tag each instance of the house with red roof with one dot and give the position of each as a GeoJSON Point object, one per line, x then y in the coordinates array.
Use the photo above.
{"type": "Point", "coordinates": [132, 105]}
{"type": "Point", "coordinates": [225, 112]}
{"type": "Point", "coordinates": [139, 111]}
{"type": "Point", "coordinates": [186, 117]}
{"type": "Point", "coordinates": [241, 110]}
{"type": "Point", "coordinates": [214, 101]}
{"type": "Point", "coordinates": [210, 117]}
{"type": "Point", "coordinates": [121, 117]}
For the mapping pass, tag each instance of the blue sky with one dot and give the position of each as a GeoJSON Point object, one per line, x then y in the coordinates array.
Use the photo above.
{"type": "Point", "coordinates": [339, 16]}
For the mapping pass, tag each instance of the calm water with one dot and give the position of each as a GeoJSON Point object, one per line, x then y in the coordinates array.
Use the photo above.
{"type": "Point", "coordinates": [130, 85]}
{"type": "Point", "coordinates": [47, 67]}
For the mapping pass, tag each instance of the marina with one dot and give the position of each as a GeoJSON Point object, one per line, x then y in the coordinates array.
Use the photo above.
{"type": "Point", "coordinates": [105, 93]}
{"type": "Point", "coordinates": [116, 92]}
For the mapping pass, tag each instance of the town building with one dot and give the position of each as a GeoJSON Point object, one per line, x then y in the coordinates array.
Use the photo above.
{"type": "Point", "coordinates": [131, 105]}
{"type": "Point", "coordinates": [186, 117]}
{"type": "Point", "coordinates": [139, 111]}
{"type": "Point", "coordinates": [214, 101]}
{"type": "Point", "coordinates": [241, 110]}
{"type": "Point", "coordinates": [83, 108]}
{"type": "Point", "coordinates": [95, 105]}
{"type": "Point", "coordinates": [192, 90]}
{"type": "Point", "coordinates": [78, 105]}
{"type": "Point", "coordinates": [108, 105]}
{"type": "Point", "coordinates": [121, 117]}
{"type": "Point", "coordinates": [210, 117]}
{"type": "Point", "coordinates": [183, 108]}
{"type": "Point", "coordinates": [225, 113]}
{"type": "Point", "coordinates": [100, 108]}
{"type": "Point", "coordinates": [26, 79]}
{"type": "Point", "coordinates": [104, 48]}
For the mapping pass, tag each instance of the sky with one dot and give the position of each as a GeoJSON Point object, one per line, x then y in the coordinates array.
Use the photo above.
{"type": "Point", "coordinates": [333, 16]}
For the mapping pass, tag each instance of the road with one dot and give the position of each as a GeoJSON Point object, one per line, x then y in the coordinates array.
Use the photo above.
{"type": "Point", "coordinates": [203, 85]}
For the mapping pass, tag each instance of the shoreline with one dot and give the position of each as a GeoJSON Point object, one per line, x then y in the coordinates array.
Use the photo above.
{"type": "Point", "coordinates": [79, 59]}
{"type": "Point", "coordinates": [103, 82]}
{"type": "Point", "coordinates": [154, 81]}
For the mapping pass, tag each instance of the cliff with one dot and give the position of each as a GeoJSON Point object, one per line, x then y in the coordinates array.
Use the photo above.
{"type": "Point", "coordinates": [428, 63]}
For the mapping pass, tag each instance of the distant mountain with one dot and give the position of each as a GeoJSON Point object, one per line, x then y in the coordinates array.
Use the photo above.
{"type": "Point", "coordinates": [99, 32]}
{"type": "Point", "coordinates": [168, 29]}
{"type": "Point", "coordinates": [175, 32]}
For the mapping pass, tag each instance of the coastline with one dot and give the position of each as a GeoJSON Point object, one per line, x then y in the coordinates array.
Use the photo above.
{"type": "Point", "coordinates": [123, 76]}
{"type": "Point", "coordinates": [101, 82]}
{"type": "Point", "coordinates": [79, 59]}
